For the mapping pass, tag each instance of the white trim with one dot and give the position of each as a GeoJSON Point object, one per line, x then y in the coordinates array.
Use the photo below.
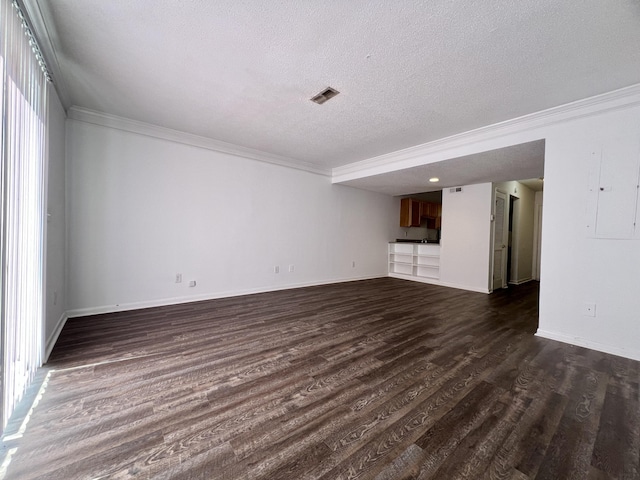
{"type": "Point", "coordinates": [413, 278]}
{"type": "Point", "coordinates": [435, 281]}
{"type": "Point", "coordinates": [83, 312]}
{"type": "Point", "coordinates": [537, 235]}
{"type": "Point", "coordinates": [414, 156]}
{"type": "Point", "coordinates": [37, 19]}
{"type": "Point", "coordinates": [521, 281]}
{"type": "Point", "coordinates": [53, 338]}
{"type": "Point", "coordinates": [155, 131]}
{"type": "Point", "coordinates": [504, 240]}
{"type": "Point", "coordinates": [633, 354]}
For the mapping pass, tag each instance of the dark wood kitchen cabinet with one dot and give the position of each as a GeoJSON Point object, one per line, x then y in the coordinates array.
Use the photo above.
{"type": "Point", "coordinates": [413, 211]}
{"type": "Point", "coordinates": [429, 210]}
{"type": "Point", "coordinates": [409, 212]}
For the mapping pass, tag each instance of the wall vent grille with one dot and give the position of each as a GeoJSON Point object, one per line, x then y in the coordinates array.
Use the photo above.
{"type": "Point", "coordinates": [455, 190]}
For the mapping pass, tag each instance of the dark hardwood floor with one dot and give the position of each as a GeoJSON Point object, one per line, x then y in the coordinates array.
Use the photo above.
{"type": "Point", "coordinates": [377, 379]}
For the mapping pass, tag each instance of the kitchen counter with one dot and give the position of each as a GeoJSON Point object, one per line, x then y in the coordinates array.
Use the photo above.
{"type": "Point", "coordinates": [404, 240]}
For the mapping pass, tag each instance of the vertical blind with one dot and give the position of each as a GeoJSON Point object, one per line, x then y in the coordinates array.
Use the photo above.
{"type": "Point", "coordinates": [23, 99]}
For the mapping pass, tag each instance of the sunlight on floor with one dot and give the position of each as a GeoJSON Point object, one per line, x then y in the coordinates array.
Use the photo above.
{"type": "Point", "coordinates": [23, 426]}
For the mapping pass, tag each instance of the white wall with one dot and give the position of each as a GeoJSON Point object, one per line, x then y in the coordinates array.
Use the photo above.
{"type": "Point", "coordinates": [575, 267]}
{"type": "Point", "coordinates": [56, 291]}
{"type": "Point", "coordinates": [411, 233]}
{"type": "Point", "coordinates": [142, 209]}
{"type": "Point", "coordinates": [578, 269]}
{"type": "Point", "coordinates": [466, 235]}
{"type": "Point", "coordinates": [523, 230]}
{"type": "Point", "coordinates": [537, 234]}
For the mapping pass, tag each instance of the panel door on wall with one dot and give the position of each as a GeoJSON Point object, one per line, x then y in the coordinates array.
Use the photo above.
{"type": "Point", "coordinates": [500, 239]}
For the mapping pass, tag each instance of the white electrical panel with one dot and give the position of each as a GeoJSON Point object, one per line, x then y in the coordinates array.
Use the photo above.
{"type": "Point", "coordinates": [613, 197]}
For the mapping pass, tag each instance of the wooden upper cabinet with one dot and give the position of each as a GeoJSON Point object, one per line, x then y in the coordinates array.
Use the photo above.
{"type": "Point", "coordinates": [429, 209]}
{"type": "Point", "coordinates": [412, 211]}
{"type": "Point", "coordinates": [409, 212]}
{"type": "Point", "coordinates": [424, 209]}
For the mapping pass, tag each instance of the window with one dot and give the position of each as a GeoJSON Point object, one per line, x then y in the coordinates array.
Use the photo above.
{"type": "Point", "coordinates": [23, 95]}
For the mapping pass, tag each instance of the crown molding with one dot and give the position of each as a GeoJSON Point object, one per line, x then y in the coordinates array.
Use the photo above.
{"type": "Point", "coordinates": [155, 131]}
{"type": "Point", "coordinates": [532, 124]}
{"type": "Point", "coordinates": [36, 13]}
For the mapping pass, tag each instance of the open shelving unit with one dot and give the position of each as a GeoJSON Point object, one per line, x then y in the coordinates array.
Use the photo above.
{"type": "Point", "coordinates": [414, 261]}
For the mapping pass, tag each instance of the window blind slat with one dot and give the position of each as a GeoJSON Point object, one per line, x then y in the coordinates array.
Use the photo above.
{"type": "Point", "coordinates": [23, 103]}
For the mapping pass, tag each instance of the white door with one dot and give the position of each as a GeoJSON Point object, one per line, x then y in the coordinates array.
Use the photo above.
{"type": "Point", "coordinates": [500, 239]}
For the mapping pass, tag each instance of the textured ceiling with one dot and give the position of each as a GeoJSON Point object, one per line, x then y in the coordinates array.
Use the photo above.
{"type": "Point", "coordinates": [524, 161]}
{"type": "Point", "coordinates": [409, 72]}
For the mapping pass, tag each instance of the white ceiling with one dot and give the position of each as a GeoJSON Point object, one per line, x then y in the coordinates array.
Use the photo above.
{"type": "Point", "coordinates": [524, 161]}
{"type": "Point", "coordinates": [409, 72]}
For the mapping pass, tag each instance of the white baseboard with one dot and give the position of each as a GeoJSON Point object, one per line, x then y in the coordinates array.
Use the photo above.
{"type": "Point", "coordinates": [465, 287]}
{"type": "Point", "coordinates": [521, 281]}
{"type": "Point", "coordinates": [435, 281]}
{"type": "Point", "coordinates": [83, 312]}
{"type": "Point", "coordinates": [412, 278]}
{"type": "Point", "coordinates": [633, 354]}
{"type": "Point", "coordinates": [53, 338]}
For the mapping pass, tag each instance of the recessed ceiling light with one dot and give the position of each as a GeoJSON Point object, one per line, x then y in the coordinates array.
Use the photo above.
{"type": "Point", "coordinates": [434, 179]}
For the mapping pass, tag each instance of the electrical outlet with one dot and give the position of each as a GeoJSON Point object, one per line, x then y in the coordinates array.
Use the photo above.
{"type": "Point", "coordinates": [276, 269]}
{"type": "Point", "coordinates": [589, 310]}
{"type": "Point", "coordinates": [178, 278]}
{"type": "Point", "coordinates": [353, 264]}
{"type": "Point", "coordinates": [291, 268]}
{"type": "Point", "coordinates": [192, 283]}
{"type": "Point", "coordinates": [55, 297]}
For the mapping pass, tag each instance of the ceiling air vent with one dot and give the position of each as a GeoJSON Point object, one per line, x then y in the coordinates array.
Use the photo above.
{"type": "Point", "coordinates": [324, 95]}
{"type": "Point", "coordinates": [455, 190]}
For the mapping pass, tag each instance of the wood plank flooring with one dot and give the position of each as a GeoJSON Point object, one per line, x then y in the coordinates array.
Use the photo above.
{"type": "Point", "coordinates": [377, 379]}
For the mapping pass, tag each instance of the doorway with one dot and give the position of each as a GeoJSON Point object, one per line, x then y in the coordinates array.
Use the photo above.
{"type": "Point", "coordinates": [511, 239]}
{"type": "Point", "coordinates": [500, 240]}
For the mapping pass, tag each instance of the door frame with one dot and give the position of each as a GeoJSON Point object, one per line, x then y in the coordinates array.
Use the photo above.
{"type": "Point", "coordinates": [503, 241]}
{"type": "Point", "coordinates": [537, 236]}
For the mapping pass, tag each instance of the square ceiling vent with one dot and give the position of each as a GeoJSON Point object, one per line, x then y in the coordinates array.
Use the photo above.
{"type": "Point", "coordinates": [327, 94]}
